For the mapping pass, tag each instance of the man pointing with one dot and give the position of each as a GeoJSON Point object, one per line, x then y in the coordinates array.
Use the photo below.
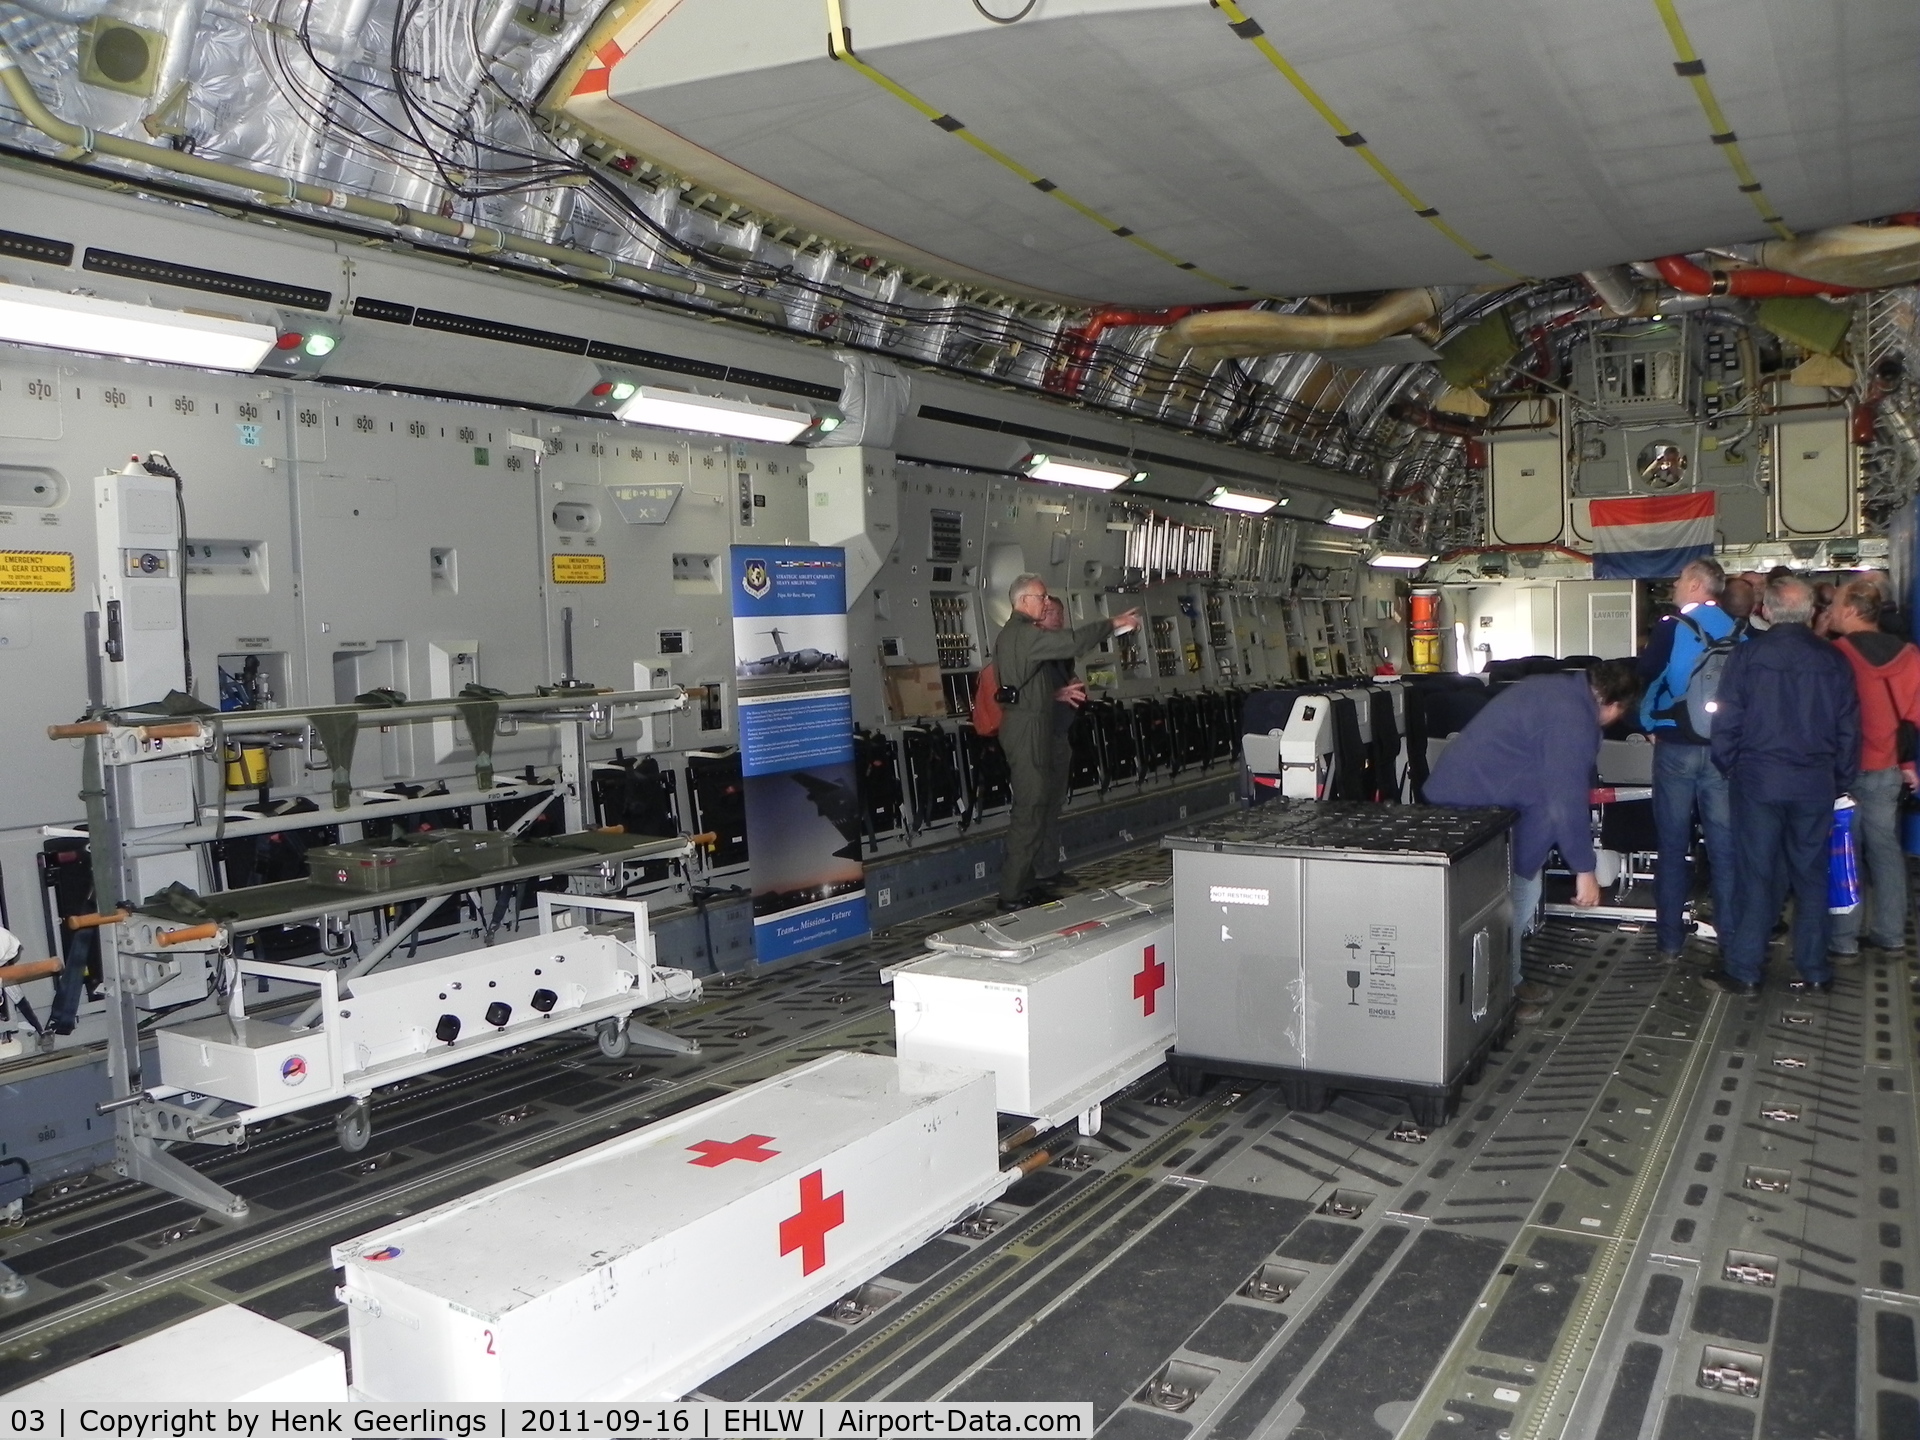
{"type": "Point", "coordinates": [1020, 660]}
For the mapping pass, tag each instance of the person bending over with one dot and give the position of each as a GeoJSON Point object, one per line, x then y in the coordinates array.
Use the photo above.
{"type": "Point", "coordinates": [1533, 750]}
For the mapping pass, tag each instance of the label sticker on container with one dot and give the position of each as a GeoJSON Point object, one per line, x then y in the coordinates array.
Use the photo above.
{"type": "Point", "coordinates": [1236, 895]}
{"type": "Point", "coordinates": [385, 1252]}
{"type": "Point", "coordinates": [293, 1070]}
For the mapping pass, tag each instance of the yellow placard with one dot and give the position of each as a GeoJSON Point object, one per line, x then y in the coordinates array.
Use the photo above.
{"type": "Point", "coordinates": [571, 570]}
{"type": "Point", "coordinates": [36, 572]}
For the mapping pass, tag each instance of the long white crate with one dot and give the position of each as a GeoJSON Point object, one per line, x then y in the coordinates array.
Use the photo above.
{"type": "Point", "coordinates": [638, 1268]}
{"type": "Point", "coordinates": [1065, 1003]}
{"type": "Point", "coordinates": [223, 1354]}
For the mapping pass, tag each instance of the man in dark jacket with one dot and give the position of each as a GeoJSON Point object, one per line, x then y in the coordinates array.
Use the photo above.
{"type": "Point", "coordinates": [1532, 750]}
{"type": "Point", "coordinates": [1020, 656]}
{"type": "Point", "coordinates": [1786, 733]}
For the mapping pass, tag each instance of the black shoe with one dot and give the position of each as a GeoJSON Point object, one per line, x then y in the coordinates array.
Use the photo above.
{"type": "Point", "coordinates": [1810, 987]}
{"type": "Point", "coordinates": [1041, 894]}
{"type": "Point", "coordinates": [1721, 980]}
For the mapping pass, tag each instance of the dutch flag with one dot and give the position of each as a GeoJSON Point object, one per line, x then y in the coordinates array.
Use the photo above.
{"type": "Point", "coordinates": [1650, 537]}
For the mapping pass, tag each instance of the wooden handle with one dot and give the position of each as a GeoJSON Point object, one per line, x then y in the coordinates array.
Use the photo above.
{"type": "Point", "coordinates": [179, 730]}
{"type": "Point", "coordinates": [30, 970]}
{"type": "Point", "coordinates": [192, 932]}
{"type": "Point", "coordinates": [94, 922]}
{"type": "Point", "coordinates": [611, 830]}
{"type": "Point", "coordinates": [78, 731]}
{"type": "Point", "coordinates": [706, 839]}
{"type": "Point", "coordinates": [173, 730]}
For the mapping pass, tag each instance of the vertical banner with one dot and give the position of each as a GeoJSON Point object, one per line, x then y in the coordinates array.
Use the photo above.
{"type": "Point", "coordinates": [796, 747]}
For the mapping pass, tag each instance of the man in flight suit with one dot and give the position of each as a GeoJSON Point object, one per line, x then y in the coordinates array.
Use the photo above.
{"type": "Point", "coordinates": [1069, 694]}
{"type": "Point", "coordinates": [1027, 729]}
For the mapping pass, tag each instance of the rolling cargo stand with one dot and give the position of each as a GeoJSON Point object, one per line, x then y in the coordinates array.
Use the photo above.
{"type": "Point", "coordinates": [1066, 1003]}
{"type": "Point", "coordinates": [1342, 946]}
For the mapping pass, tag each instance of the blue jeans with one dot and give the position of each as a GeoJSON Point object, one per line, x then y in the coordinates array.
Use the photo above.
{"type": "Point", "coordinates": [1685, 780]}
{"type": "Point", "coordinates": [1883, 865]}
{"type": "Point", "coordinates": [1784, 846]}
{"type": "Point", "coordinates": [1525, 891]}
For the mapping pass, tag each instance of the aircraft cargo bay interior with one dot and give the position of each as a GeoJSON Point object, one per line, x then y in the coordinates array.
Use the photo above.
{"type": "Point", "coordinates": [1177, 719]}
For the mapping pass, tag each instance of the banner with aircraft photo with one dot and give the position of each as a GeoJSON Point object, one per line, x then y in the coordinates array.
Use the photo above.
{"type": "Point", "coordinates": [796, 747]}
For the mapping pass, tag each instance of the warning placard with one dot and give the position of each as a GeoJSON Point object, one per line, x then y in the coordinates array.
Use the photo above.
{"type": "Point", "coordinates": [579, 569]}
{"type": "Point", "coordinates": [36, 572]}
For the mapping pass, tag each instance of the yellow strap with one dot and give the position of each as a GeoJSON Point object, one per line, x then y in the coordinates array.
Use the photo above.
{"type": "Point", "coordinates": [1694, 70]}
{"type": "Point", "coordinates": [840, 47]}
{"type": "Point", "coordinates": [1248, 29]}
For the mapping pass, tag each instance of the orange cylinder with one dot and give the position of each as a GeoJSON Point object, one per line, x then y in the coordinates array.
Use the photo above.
{"type": "Point", "coordinates": [1423, 610]}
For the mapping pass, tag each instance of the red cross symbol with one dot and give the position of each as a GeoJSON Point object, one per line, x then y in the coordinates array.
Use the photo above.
{"type": "Point", "coordinates": [1152, 977]}
{"type": "Point", "coordinates": [747, 1147]}
{"type": "Point", "coordinates": [807, 1231]}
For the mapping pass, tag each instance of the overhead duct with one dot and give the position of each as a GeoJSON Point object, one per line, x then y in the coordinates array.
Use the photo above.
{"type": "Point", "coordinates": [1862, 257]}
{"type": "Point", "coordinates": [1221, 334]}
{"type": "Point", "coordinates": [1615, 288]}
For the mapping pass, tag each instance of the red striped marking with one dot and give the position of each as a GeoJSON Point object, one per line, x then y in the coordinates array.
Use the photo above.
{"type": "Point", "coordinates": [1652, 509]}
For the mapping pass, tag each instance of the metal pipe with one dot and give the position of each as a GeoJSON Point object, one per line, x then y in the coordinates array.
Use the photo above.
{"type": "Point", "coordinates": [479, 239]}
{"type": "Point", "coordinates": [1617, 291]}
{"type": "Point", "coordinates": [264, 722]}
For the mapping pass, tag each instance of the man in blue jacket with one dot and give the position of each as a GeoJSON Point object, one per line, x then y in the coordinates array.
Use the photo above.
{"type": "Point", "coordinates": [1684, 777]}
{"type": "Point", "coordinates": [1532, 750]}
{"type": "Point", "coordinates": [1786, 735]}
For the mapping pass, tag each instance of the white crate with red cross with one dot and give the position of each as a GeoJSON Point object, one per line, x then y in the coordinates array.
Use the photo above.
{"type": "Point", "coordinates": [636, 1269]}
{"type": "Point", "coordinates": [1065, 1003]}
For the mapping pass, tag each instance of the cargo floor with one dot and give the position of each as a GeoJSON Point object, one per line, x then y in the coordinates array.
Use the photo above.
{"type": "Point", "coordinates": [1662, 1213]}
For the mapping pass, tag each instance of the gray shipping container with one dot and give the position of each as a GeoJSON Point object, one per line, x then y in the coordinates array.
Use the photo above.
{"type": "Point", "coordinates": [1343, 946]}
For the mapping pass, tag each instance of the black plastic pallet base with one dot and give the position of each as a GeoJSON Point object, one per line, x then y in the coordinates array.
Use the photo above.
{"type": "Point", "coordinates": [1311, 1091]}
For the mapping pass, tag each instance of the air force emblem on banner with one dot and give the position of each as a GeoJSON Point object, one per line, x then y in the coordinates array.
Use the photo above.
{"type": "Point", "coordinates": [755, 580]}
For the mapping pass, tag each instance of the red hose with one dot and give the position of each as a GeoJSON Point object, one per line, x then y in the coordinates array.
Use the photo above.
{"type": "Point", "coordinates": [1080, 343]}
{"type": "Point", "coordinates": [1683, 274]}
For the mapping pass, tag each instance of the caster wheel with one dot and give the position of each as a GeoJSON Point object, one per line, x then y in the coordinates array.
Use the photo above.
{"type": "Point", "coordinates": [354, 1127]}
{"type": "Point", "coordinates": [612, 1035]}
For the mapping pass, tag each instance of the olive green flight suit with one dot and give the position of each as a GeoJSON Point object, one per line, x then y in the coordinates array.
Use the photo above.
{"type": "Point", "coordinates": [1027, 735]}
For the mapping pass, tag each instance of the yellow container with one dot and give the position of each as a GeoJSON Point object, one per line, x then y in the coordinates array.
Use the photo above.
{"type": "Point", "coordinates": [247, 767]}
{"type": "Point", "coordinates": [1426, 654]}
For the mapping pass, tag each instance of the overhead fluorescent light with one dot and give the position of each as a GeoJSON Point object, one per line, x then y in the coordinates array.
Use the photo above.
{"type": "Point", "coordinates": [1083, 473]}
{"type": "Point", "coordinates": [134, 332]}
{"type": "Point", "coordinates": [1395, 560]}
{"type": "Point", "coordinates": [1352, 519]}
{"type": "Point", "coordinates": [1226, 499]}
{"type": "Point", "coordinates": [711, 415]}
